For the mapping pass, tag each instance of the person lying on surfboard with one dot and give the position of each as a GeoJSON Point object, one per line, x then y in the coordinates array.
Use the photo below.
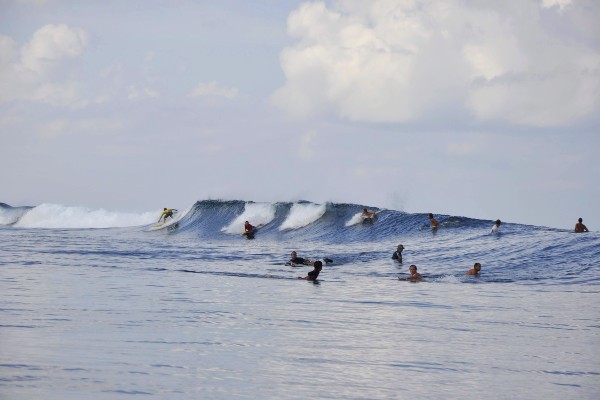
{"type": "Point", "coordinates": [295, 260]}
{"type": "Point", "coordinates": [167, 213]}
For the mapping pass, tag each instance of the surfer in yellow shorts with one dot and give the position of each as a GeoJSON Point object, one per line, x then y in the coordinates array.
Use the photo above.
{"type": "Point", "coordinates": [166, 214]}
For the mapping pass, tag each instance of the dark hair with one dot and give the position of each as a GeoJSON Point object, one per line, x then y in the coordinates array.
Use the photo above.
{"type": "Point", "coordinates": [318, 264]}
{"type": "Point", "coordinates": [580, 220]}
{"type": "Point", "coordinates": [430, 215]}
{"type": "Point", "coordinates": [498, 221]}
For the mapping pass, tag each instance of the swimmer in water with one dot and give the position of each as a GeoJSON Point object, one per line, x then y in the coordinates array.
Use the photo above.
{"type": "Point", "coordinates": [475, 270]}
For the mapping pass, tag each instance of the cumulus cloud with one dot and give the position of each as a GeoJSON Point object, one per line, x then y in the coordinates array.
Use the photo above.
{"type": "Point", "coordinates": [213, 89]}
{"type": "Point", "coordinates": [35, 72]}
{"type": "Point", "coordinates": [402, 60]}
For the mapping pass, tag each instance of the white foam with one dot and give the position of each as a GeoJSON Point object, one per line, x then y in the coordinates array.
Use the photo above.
{"type": "Point", "coordinates": [59, 216]}
{"type": "Point", "coordinates": [301, 215]}
{"type": "Point", "coordinates": [356, 219]}
{"type": "Point", "coordinates": [255, 213]}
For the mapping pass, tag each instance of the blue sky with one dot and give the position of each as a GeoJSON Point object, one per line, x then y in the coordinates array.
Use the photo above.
{"type": "Point", "coordinates": [483, 109]}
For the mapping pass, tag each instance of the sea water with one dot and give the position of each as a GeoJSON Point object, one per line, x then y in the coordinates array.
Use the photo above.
{"type": "Point", "coordinates": [192, 309]}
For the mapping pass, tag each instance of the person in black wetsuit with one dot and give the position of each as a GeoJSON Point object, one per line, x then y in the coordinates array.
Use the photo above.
{"type": "Point", "coordinates": [398, 254]}
{"type": "Point", "coordinates": [295, 260]}
{"type": "Point", "coordinates": [312, 275]}
{"type": "Point", "coordinates": [299, 260]}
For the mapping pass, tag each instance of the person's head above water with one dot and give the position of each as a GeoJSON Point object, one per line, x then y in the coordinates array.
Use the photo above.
{"type": "Point", "coordinates": [477, 267]}
{"type": "Point", "coordinates": [412, 269]}
{"type": "Point", "coordinates": [293, 254]}
{"type": "Point", "coordinates": [580, 220]}
{"type": "Point", "coordinates": [430, 215]}
{"type": "Point", "coordinates": [498, 222]}
{"type": "Point", "coordinates": [318, 265]}
{"type": "Point", "coordinates": [400, 248]}
{"type": "Point", "coordinates": [165, 209]}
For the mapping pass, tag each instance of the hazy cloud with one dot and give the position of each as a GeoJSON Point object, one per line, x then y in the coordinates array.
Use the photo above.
{"type": "Point", "coordinates": [398, 61]}
{"type": "Point", "coordinates": [213, 89]}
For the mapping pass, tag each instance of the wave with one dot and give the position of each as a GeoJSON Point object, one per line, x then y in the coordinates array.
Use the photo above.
{"type": "Point", "coordinates": [303, 214]}
{"type": "Point", "coordinates": [331, 222]}
{"type": "Point", "coordinates": [258, 213]}
{"type": "Point", "coordinates": [60, 216]}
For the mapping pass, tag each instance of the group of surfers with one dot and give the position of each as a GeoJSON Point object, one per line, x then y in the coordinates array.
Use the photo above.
{"type": "Point", "coordinates": [414, 276]}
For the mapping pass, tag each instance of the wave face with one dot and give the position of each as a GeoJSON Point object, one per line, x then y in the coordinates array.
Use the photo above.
{"type": "Point", "coordinates": [330, 222]}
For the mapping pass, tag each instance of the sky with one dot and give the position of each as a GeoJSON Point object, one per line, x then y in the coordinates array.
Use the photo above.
{"type": "Point", "coordinates": [474, 108]}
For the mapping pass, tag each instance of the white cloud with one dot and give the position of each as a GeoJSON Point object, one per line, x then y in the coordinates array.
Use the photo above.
{"type": "Point", "coordinates": [399, 60]}
{"type": "Point", "coordinates": [213, 89]}
{"type": "Point", "coordinates": [35, 72]}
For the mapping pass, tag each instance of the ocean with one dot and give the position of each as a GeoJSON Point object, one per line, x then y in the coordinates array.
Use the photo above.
{"type": "Point", "coordinates": [98, 304]}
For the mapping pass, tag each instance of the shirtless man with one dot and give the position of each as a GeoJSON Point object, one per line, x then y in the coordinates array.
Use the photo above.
{"type": "Point", "coordinates": [475, 270]}
{"type": "Point", "coordinates": [367, 213]}
{"type": "Point", "coordinates": [414, 275]}
{"type": "Point", "coordinates": [580, 227]}
{"type": "Point", "coordinates": [434, 223]}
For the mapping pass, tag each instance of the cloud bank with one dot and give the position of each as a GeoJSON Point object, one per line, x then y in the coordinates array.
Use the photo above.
{"type": "Point", "coordinates": [35, 72]}
{"type": "Point", "coordinates": [403, 60]}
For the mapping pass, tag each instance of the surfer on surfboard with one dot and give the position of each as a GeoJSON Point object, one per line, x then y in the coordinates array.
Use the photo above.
{"type": "Point", "coordinates": [167, 213]}
{"type": "Point", "coordinates": [367, 213]}
{"type": "Point", "coordinates": [433, 221]}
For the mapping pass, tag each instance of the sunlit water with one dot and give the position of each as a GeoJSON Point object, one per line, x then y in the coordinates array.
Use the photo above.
{"type": "Point", "coordinates": [131, 313]}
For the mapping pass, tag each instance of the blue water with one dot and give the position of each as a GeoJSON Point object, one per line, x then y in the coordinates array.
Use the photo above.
{"type": "Point", "coordinates": [192, 309]}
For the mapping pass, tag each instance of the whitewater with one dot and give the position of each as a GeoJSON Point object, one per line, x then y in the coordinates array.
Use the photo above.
{"type": "Point", "coordinates": [101, 304]}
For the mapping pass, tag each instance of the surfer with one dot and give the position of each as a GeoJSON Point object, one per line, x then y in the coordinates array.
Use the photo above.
{"type": "Point", "coordinates": [580, 227]}
{"type": "Point", "coordinates": [166, 214]}
{"type": "Point", "coordinates": [312, 275]}
{"type": "Point", "coordinates": [475, 270]}
{"type": "Point", "coordinates": [496, 226]}
{"type": "Point", "coordinates": [433, 221]}
{"type": "Point", "coordinates": [248, 227]}
{"type": "Point", "coordinates": [298, 260]}
{"type": "Point", "coordinates": [367, 214]}
{"type": "Point", "coordinates": [414, 275]}
{"type": "Point", "coordinates": [398, 253]}
{"type": "Point", "coordinates": [295, 260]}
